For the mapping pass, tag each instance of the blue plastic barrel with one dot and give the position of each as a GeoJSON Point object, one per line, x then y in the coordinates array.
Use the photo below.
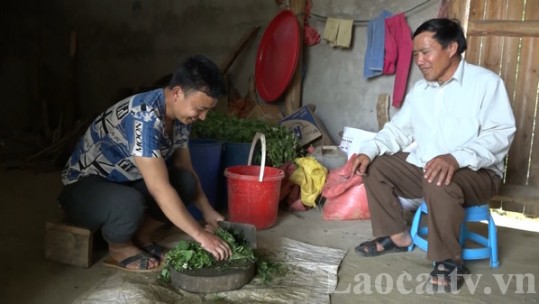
{"type": "Point", "coordinates": [206, 158]}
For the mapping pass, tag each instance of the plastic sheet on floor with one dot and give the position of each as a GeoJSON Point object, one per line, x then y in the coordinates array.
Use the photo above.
{"type": "Point", "coordinates": [311, 277]}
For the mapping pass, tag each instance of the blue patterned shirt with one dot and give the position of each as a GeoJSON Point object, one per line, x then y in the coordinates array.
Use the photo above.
{"type": "Point", "coordinates": [134, 126]}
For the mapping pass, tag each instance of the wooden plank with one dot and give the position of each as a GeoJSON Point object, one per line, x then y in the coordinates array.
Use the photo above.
{"type": "Point", "coordinates": [503, 36]}
{"type": "Point", "coordinates": [460, 10]}
{"type": "Point", "coordinates": [532, 81]}
{"type": "Point", "coordinates": [524, 109]}
{"type": "Point", "coordinates": [382, 110]}
{"type": "Point", "coordinates": [247, 37]}
{"type": "Point", "coordinates": [491, 56]}
{"type": "Point", "coordinates": [511, 49]}
{"type": "Point", "coordinates": [68, 244]}
{"type": "Point", "coordinates": [511, 45]}
{"type": "Point", "coordinates": [473, 53]}
{"type": "Point", "coordinates": [524, 106]}
{"type": "Point", "coordinates": [518, 193]}
{"type": "Point", "coordinates": [531, 12]}
{"type": "Point", "coordinates": [477, 10]}
{"type": "Point", "coordinates": [503, 28]}
{"type": "Point", "coordinates": [513, 11]}
{"type": "Point", "coordinates": [292, 99]}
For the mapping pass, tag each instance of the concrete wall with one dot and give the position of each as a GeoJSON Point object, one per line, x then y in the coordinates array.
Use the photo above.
{"type": "Point", "coordinates": [124, 46]}
{"type": "Point", "coordinates": [334, 81]}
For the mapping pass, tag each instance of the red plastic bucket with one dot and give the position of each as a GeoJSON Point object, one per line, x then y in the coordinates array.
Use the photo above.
{"type": "Point", "coordinates": [253, 191]}
{"type": "Point", "coordinates": [251, 201]}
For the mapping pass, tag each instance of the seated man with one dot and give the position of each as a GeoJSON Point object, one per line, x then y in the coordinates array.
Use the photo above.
{"type": "Point", "coordinates": [460, 117]}
{"type": "Point", "coordinates": [131, 171]}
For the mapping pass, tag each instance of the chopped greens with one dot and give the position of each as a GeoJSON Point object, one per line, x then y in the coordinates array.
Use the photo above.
{"type": "Point", "coordinates": [267, 270]}
{"type": "Point", "coordinates": [189, 255]}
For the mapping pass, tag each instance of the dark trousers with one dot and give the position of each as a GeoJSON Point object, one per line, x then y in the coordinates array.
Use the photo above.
{"type": "Point", "coordinates": [390, 176]}
{"type": "Point", "coordinates": [118, 209]}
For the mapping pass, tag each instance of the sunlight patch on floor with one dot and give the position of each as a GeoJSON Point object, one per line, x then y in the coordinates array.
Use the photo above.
{"type": "Point", "coordinates": [514, 220]}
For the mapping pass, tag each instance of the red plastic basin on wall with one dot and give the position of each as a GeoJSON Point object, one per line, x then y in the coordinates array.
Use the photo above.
{"type": "Point", "coordinates": [277, 55]}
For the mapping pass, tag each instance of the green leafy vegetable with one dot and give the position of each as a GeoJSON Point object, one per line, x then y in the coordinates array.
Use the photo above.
{"type": "Point", "coordinates": [282, 145]}
{"type": "Point", "coordinates": [267, 269]}
{"type": "Point", "coordinates": [220, 126]}
{"type": "Point", "coordinates": [188, 255]}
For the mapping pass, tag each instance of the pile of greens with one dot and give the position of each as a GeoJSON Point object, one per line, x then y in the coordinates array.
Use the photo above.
{"type": "Point", "coordinates": [223, 127]}
{"type": "Point", "coordinates": [282, 145]}
{"type": "Point", "coordinates": [189, 255]}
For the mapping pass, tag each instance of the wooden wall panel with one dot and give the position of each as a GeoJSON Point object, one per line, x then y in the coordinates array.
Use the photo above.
{"type": "Point", "coordinates": [503, 36]}
{"type": "Point", "coordinates": [523, 109]}
{"type": "Point", "coordinates": [511, 47]}
{"type": "Point", "coordinates": [517, 162]}
{"type": "Point", "coordinates": [506, 28]}
{"type": "Point", "coordinates": [532, 80]}
{"type": "Point", "coordinates": [492, 46]}
{"type": "Point", "coordinates": [460, 10]}
{"type": "Point", "coordinates": [477, 12]}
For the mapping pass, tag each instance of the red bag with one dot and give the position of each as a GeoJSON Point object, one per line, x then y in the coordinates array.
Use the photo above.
{"type": "Point", "coordinates": [345, 195]}
{"type": "Point", "coordinates": [351, 205]}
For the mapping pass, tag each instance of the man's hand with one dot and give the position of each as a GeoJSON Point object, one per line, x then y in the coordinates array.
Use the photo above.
{"type": "Point", "coordinates": [212, 218]}
{"type": "Point", "coordinates": [360, 164]}
{"type": "Point", "coordinates": [441, 169]}
{"type": "Point", "coordinates": [214, 245]}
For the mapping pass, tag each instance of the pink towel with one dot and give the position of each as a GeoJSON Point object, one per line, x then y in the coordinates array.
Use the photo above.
{"type": "Point", "coordinates": [398, 54]}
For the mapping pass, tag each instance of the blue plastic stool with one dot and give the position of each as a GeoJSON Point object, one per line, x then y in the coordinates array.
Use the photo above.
{"type": "Point", "coordinates": [488, 246]}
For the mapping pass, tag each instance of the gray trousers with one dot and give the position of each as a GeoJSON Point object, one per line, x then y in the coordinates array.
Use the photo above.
{"type": "Point", "coordinates": [390, 176]}
{"type": "Point", "coordinates": [118, 209]}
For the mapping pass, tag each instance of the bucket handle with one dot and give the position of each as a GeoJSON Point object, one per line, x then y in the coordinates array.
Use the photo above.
{"type": "Point", "coordinates": [262, 138]}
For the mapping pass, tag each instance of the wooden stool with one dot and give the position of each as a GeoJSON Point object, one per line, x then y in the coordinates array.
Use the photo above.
{"type": "Point", "coordinates": [68, 244]}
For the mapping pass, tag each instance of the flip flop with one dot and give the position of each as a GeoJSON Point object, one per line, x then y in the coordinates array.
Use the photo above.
{"type": "Point", "coordinates": [386, 243]}
{"type": "Point", "coordinates": [156, 250]}
{"type": "Point", "coordinates": [144, 259]}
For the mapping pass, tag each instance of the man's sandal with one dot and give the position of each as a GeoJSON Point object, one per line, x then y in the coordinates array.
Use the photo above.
{"type": "Point", "coordinates": [449, 276]}
{"type": "Point", "coordinates": [156, 250]}
{"type": "Point", "coordinates": [369, 249]}
{"type": "Point", "coordinates": [142, 257]}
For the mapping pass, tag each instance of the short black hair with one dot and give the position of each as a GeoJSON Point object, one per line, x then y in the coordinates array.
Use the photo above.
{"type": "Point", "coordinates": [199, 73]}
{"type": "Point", "coordinates": [445, 32]}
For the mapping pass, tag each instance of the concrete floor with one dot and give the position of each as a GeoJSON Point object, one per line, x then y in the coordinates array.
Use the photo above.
{"type": "Point", "coordinates": [28, 200]}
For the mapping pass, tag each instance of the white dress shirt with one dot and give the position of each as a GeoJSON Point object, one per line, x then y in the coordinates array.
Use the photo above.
{"type": "Point", "coordinates": [469, 116]}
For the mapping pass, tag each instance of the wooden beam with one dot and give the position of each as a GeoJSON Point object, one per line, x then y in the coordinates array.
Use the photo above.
{"type": "Point", "coordinates": [247, 37]}
{"type": "Point", "coordinates": [460, 9]}
{"type": "Point", "coordinates": [518, 193]}
{"type": "Point", "coordinates": [503, 28]}
{"type": "Point", "coordinates": [292, 99]}
{"type": "Point", "coordinates": [382, 110]}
